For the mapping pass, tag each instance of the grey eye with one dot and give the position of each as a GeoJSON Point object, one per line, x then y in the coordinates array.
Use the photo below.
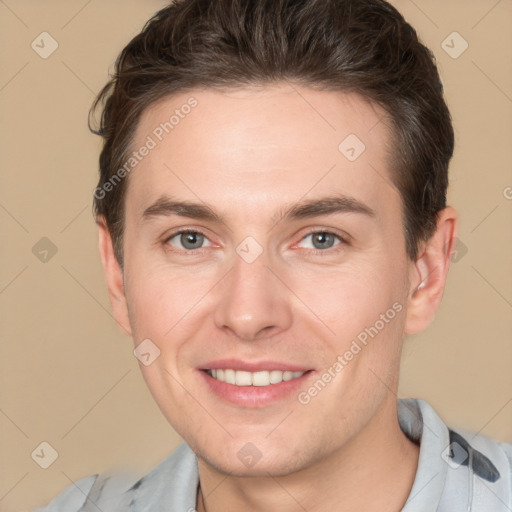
{"type": "Point", "coordinates": [188, 240]}
{"type": "Point", "coordinates": [322, 240]}
{"type": "Point", "coordinates": [191, 240]}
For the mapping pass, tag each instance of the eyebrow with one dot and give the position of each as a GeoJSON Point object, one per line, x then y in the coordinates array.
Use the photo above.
{"type": "Point", "coordinates": [165, 206]}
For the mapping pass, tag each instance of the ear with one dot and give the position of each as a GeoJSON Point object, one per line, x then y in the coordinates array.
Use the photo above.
{"type": "Point", "coordinates": [114, 277]}
{"type": "Point", "coordinates": [429, 272]}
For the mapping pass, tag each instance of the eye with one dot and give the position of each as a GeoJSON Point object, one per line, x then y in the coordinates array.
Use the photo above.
{"type": "Point", "coordinates": [323, 240]}
{"type": "Point", "coordinates": [187, 239]}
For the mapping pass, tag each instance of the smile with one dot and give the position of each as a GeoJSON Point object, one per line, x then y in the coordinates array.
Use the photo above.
{"type": "Point", "coordinates": [260, 378]}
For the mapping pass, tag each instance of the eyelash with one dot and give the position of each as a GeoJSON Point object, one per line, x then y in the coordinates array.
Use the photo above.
{"type": "Point", "coordinates": [317, 252]}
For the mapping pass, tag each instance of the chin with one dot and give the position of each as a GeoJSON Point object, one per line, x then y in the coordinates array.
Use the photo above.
{"type": "Point", "coordinates": [245, 459]}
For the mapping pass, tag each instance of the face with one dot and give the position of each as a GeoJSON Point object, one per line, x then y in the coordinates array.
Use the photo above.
{"type": "Point", "coordinates": [293, 259]}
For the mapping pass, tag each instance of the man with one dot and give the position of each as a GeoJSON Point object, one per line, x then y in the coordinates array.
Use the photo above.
{"type": "Point", "coordinates": [272, 224]}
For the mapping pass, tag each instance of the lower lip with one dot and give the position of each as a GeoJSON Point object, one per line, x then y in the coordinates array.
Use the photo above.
{"type": "Point", "coordinates": [254, 396]}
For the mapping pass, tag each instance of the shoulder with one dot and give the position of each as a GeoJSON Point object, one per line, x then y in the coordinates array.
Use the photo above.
{"type": "Point", "coordinates": [124, 491]}
{"type": "Point", "coordinates": [111, 492]}
{"type": "Point", "coordinates": [72, 498]}
{"type": "Point", "coordinates": [489, 459]}
{"type": "Point", "coordinates": [457, 468]}
{"type": "Point", "coordinates": [482, 467]}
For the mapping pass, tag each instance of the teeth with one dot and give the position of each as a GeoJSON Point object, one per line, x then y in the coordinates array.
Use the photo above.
{"type": "Point", "coordinates": [243, 378]}
{"type": "Point", "coordinates": [229, 376]}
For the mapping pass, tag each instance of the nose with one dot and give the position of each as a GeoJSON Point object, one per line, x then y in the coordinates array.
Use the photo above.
{"type": "Point", "coordinates": [254, 303]}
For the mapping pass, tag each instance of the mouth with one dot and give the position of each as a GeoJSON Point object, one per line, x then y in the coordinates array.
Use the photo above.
{"type": "Point", "coordinates": [254, 385]}
{"type": "Point", "coordinates": [260, 378]}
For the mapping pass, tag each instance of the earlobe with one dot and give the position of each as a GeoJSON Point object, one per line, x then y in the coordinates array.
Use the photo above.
{"type": "Point", "coordinates": [113, 277]}
{"type": "Point", "coordinates": [430, 271]}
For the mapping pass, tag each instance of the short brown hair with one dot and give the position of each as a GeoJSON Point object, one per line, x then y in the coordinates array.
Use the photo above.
{"type": "Point", "coordinates": [361, 46]}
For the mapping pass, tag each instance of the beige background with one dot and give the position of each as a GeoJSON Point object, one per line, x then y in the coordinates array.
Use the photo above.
{"type": "Point", "coordinates": [68, 377]}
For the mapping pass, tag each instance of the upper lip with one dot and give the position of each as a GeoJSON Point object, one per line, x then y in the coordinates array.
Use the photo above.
{"type": "Point", "coordinates": [253, 366]}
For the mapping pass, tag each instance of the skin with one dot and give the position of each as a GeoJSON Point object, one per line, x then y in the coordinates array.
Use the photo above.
{"type": "Point", "coordinates": [247, 153]}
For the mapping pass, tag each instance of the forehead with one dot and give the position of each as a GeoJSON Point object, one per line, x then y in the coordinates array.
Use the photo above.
{"type": "Point", "coordinates": [257, 145]}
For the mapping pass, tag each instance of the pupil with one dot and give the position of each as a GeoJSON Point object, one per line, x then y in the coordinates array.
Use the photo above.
{"type": "Point", "coordinates": [190, 238]}
{"type": "Point", "coordinates": [322, 238]}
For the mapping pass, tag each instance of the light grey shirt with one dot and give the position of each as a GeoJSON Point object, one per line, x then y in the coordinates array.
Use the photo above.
{"type": "Point", "coordinates": [457, 472]}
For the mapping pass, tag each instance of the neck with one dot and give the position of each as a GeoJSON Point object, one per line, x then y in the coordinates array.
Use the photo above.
{"type": "Point", "coordinates": [374, 470]}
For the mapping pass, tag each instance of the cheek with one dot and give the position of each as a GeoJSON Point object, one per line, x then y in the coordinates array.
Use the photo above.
{"type": "Point", "coordinates": [350, 297]}
{"type": "Point", "coordinates": [161, 298]}
{"type": "Point", "coordinates": [361, 309]}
